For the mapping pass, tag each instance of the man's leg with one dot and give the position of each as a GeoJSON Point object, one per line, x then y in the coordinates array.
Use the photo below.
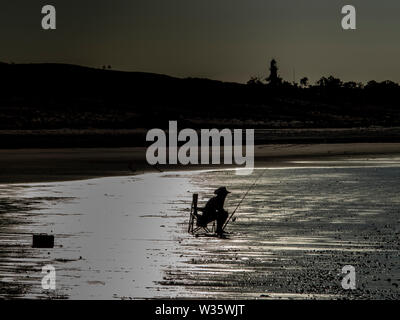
{"type": "Point", "coordinates": [222, 216]}
{"type": "Point", "coordinates": [205, 219]}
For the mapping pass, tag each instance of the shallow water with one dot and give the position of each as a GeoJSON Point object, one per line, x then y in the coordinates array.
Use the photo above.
{"type": "Point", "coordinates": [126, 237]}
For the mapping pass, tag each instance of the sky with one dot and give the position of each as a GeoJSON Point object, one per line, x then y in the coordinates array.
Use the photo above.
{"type": "Point", "coordinates": [229, 40]}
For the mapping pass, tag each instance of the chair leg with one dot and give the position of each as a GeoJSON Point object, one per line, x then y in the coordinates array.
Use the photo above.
{"type": "Point", "coordinates": [195, 230]}
{"type": "Point", "coordinates": [190, 223]}
{"type": "Point", "coordinates": [193, 213]}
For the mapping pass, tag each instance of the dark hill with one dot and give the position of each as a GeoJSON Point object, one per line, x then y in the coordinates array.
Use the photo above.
{"type": "Point", "coordinates": [54, 96]}
{"type": "Point", "coordinates": [37, 96]}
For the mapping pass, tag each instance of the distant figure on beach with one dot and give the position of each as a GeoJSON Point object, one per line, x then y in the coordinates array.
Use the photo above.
{"type": "Point", "coordinates": [214, 211]}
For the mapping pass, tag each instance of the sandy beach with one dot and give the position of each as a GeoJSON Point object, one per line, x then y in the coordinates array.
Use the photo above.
{"type": "Point", "coordinates": [125, 236]}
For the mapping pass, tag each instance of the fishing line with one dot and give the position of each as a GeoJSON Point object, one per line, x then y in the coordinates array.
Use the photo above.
{"type": "Point", "coordinates": [240, 202]}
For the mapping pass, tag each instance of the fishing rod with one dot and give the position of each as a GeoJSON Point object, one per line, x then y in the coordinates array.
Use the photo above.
{"type": "Point", "coordinates": [240, 202]}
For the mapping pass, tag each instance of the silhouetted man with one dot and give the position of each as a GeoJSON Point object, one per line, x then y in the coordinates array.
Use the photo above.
{"type": "Point", "coordinates": [214, 210]}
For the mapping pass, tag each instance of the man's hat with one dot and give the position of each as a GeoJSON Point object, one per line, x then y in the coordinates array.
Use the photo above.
{"type": "Point", "coordinates": [222, 191]}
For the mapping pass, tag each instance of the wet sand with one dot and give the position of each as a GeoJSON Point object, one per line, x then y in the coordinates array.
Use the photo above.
{"type": "Point", "coordinates": [125, 237]}
{"type": "Point", "coordinates": [39, 165]}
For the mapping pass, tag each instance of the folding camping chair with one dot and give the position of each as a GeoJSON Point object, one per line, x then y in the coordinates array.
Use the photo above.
{"type": "Point", "coordinates": [194, 228]}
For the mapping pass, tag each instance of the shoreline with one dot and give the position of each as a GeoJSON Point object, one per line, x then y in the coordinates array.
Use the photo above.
{"type": "Point", "coordinates": [67, 164]}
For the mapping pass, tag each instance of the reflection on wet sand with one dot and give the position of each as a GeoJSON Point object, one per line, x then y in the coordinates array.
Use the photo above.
{"type": "Point", "coordinates": [125, 237]}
